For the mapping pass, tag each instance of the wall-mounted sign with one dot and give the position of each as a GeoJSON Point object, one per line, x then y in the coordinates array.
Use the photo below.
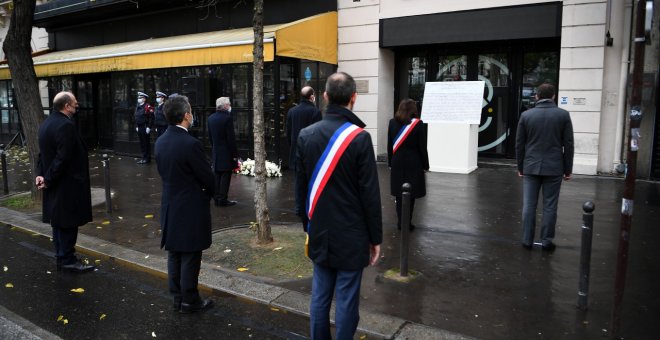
{"type": "Point", "coordinates": [563, 101]}
{"type": "Point", "coordinates": [308, 74]}
{"type": "Point", "coordinates": [579, 101]}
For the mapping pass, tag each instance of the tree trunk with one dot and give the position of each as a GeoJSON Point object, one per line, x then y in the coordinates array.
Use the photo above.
{"type": "Point", "coordinates": [24, 79]}
{"type": "Point", "coordinates": [260, 193]}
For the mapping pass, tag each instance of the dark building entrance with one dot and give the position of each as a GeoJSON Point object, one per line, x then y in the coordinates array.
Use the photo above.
{"type": "Point", "coordinates": [512, 49]}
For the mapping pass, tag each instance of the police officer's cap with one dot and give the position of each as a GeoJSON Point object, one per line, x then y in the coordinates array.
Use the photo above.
{"type": "Point", "coordinates": [142, 94]}
{"type": "Point", "coordinates": [161, 94]}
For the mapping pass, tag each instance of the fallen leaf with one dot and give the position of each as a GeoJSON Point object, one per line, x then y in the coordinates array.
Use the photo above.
{"type": "Point", "coordinates": [278, 248]}
{"type": "Point", "coordinates": [105, 222]}
{"type": "Point", "coordinates": [146, 257]}
{"type": "Point", "coordinates": [60, 318]}
{"type": "Point", "coordinates": [362, 337]}
{"type": "Point", "coordinates": [86, 261]}
{"type": "Point", "coordinates": [97, 262]}
{"type": "Point", "coordinates": [78, 290]}
{"type": "Point", "coordinates": [102, 317]}
{"type": "Point", "coordinates": [153, 334]}
{"type": "Point", "coordinates": [48, 272]}
{"type": "Point", "coordinates": [65, 321]}
{"type": "Point", "coordinates": [9, 285]}
{"type": "Point", "coordinates": [227, 250]}
{"type": "Point", "coordinates": [5, 268]}
{"type": "Point", "coordinates": [242, 269]}
{"type": "Point", "coordinates": [119, 217]}
{"type": "Point", "coordinates": [274, 309]}
{"type": "Point", "coordinates": [99, 227]}
{"type": "Point", "coordinates": [144, 225]}
{"type": "Point", "coordinates": [149, 216]}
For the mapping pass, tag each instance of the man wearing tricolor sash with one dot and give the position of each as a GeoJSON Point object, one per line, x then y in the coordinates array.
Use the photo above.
{"type": "Point", "coordinates": [336, 170]}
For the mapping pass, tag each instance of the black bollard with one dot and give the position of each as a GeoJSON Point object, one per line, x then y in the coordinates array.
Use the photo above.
{"type": "Point", "coordinates": [405, 227]}
{"type": "Point", "coordinates": [3, 157]}
{"type": "Point", "coordinates": [106, 180]}
{"type": "Point", "coordinates": [585, 253]}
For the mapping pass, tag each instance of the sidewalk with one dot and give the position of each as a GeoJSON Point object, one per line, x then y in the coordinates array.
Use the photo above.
{"type": "Point", "coordinates": [476, 279]}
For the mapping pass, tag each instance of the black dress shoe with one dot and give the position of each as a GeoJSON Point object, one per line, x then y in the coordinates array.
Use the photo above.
{"type": "Point", "coordinates": [76, 267]}
{"type": "Point", "coordinates": [187, 308]}
{"type": "Point", "coordinates": [548, 247]}
{"type": "Point", "coordinates": [526, 246]}
{"type": "Point", "coordinates": [226, 203]}
{"type": "Point", "coordinates": [176, 304]}
{"type": "Point", "coordinates": [412, 227]}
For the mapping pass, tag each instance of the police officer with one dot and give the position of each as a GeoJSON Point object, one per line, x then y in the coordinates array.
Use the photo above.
{"type": "Point", "coordinates": [160, 122]}
{"type": "Point", "coordinates": [144, 119]}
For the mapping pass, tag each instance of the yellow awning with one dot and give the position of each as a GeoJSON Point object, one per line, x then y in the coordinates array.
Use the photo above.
{"type": "Point", "coordinates": [313, 38]}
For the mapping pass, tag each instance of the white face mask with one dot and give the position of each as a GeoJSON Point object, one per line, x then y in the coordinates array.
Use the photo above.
{"type": "Point", "coordinates": [192, 120]}
{"type": "Point", "coordinates": [159, 100]}
{"type": "Point", "coordinates": [140, 101]}
{"type": "Point", "coordinates": [229, 109]}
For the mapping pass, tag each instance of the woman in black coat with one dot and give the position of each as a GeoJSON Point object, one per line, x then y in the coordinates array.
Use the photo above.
{"type": "Point", "coordinates": [407, 155]}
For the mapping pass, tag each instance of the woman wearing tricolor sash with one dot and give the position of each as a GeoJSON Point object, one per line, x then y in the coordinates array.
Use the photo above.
{"type": "Point", "coordinates": [407, 156]}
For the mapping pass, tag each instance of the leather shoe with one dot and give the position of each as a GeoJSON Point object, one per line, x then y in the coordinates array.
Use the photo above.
{"type": "Point", "coordinates": [76, 267]}
{"type": "Point", "coordinates": [548, 247]}
{"type": "Point", "coordinates": [187, 308]}
{"type": "Point", "coordinates": [226, 203]}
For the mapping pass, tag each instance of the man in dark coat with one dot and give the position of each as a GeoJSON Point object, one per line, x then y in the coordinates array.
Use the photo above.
{"type": "Point", "coordinates": [185, 215]}
{"type": "Point", "coordinates": [144, 119]}
{"type": "Point", "coordinates": [544, 150]}
{"type": "Point", "coordinates": [298, 118]}
{"type": "Point", "coordinates": [224, 152]}
{"type": "Point", "coordinates": [345, 230]}
{"type": "Point", "coordinates": [63, 175]}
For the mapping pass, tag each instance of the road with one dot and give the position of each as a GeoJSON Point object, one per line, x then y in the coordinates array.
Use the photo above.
{"type": "Point", "coordinates": [118, 302]}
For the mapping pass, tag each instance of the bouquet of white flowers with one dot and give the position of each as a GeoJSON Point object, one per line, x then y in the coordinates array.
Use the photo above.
{"type": "Point", "coordinates": [246, 167]}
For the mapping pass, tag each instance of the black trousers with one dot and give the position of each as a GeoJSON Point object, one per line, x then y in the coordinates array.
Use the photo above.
{"type": "Point", "coordinates": [64, 240]}
{"type": "Point", "coordinates": [183, 275]}
{"type": "Point", "coordinates": [398, 210]}
{"type": "Point", "coordinates": [222, 181]}
{"type": "Point", "coordinates": [145, 142]}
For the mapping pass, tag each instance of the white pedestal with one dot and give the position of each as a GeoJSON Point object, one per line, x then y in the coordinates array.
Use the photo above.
{"type": "Point", "coordinates": [453, 147]}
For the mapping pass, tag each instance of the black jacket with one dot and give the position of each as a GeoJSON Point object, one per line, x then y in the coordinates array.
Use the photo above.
{"type": "Point", "coordinates": [223, 141]}
{"type": "Point", "coordinates": [188, 184]}
{"type": "Point", "coordinates": [298, 118]}
{"type": "Point", "coordinates": [144, 115]}
{"type": "Point", "coordinates": [347, 217]}
{"type": "Point", "coordinates": [63, 162]}
{"type": "Point", "coordinates": [407, 165]}
{"type": "Point", "coordinates": [159, 117]}
{"type": "Point", "coordinates": [544, 141]}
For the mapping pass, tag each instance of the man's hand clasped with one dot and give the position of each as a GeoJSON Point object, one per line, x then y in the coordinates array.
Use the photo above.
{"type": "Point", "coordinates": [40, 182]}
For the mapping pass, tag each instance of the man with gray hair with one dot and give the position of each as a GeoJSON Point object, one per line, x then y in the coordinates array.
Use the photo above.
{"type": "Point", "coordinates": [224, 152]}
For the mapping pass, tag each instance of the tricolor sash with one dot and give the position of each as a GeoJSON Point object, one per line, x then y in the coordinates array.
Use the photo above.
{"type": "Point", "coordinates": [404, 133]}
{"type": "Point", "coordinates": [325, 166]}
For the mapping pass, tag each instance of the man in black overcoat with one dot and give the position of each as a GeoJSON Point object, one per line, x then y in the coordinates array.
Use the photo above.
{"type": "Point", "coordinates": [63, 175]}
{"type": "Point", "coordinates": [224, 152]}
{"type": "Point", "coordinates": [298, 118]}
{"type": "Point", "coordinates": [544, 151]}
{"type": "Point", "coordinates": [185, 215]}
{"type": "Point", "coordinates": [345, 231]}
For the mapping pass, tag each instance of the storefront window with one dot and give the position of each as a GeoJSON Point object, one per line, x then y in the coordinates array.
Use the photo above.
{"type": "Point", "coordinates": [413, 77]}
{"type": "Point", "coordinates": [538, 68]}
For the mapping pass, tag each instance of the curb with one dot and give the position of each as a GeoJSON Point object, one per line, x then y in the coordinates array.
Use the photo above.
{"type": "Point", "coordinates": [374, 324]}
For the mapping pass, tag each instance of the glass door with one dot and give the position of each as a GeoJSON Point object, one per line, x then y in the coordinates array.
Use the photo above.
{"type": "Point", "coordinates": [494, 129]}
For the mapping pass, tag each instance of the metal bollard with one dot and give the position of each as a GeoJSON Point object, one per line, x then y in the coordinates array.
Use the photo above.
{"type": "Point", "coordinates": [3, 159]}
{"type": "Point", "coordinates": [106, 180]}
{"type": "Point", "coordinates": [585, 254]}
{"type": "Point", "coordinates": [405, 227]}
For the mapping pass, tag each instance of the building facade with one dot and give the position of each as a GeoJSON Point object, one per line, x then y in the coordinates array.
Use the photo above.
{"type": "Point", "coordinates": [107, 50]}
{"type": "Point", "coordinates": [395, 46]}
{"type": "Point", "coordinates": [392, 47]}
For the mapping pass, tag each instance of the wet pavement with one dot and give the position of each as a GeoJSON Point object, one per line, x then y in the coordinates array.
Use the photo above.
{"type": "Point", "coordinates": [475, 278]}
{"type": "Point", "coordinates": [119, 302]}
